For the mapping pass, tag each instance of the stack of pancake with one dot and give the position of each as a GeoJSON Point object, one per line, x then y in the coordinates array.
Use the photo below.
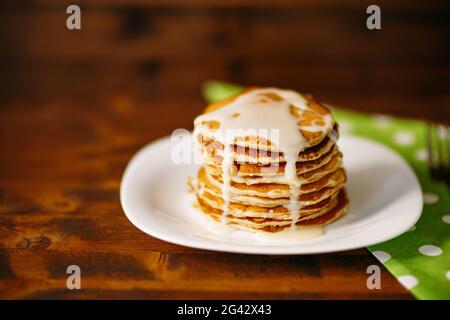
{"type": "Point", "coordinates": [270, 161]}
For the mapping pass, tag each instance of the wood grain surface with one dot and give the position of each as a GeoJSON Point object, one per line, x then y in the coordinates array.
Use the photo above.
{"type": "Point", "coordinates": [59, 188]}
{"type": "Point", "coordinates": [75, 106]}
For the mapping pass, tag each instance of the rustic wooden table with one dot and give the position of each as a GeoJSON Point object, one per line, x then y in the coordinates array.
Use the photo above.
{"type": "Point", "coordinates": [61, 165]}
{"type": "Point", "coordinates": [76, 105]}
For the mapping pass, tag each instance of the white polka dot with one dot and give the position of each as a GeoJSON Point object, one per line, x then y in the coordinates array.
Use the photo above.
{"type": "Point", "coordinates": [430, 198]}
{"type": "Point", "coordinates": [421, 155]}
{"type": "Point", "coordinates": [404, 138]}
{"type": "Point", "coordinates": [345, 127]}
{"type": "Point", "coordinates": [446, 218]}
{"type": "Point", "coordinates": [382, 256]}
{"type": "Point", "coordinates": [412, 228]}
{"type": "Point", "coordinates": [408, 281]}
{"type": "Point", "coordinates": [382, 120]}
{"type": "Point", "coordinates": [448, 275]}
{"type": "Point", "coordinates": [442, 131]}
{"type": "Point", "coordinates": [429, 250]}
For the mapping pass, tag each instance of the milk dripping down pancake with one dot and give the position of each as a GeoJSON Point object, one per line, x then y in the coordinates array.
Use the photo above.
{"type": "Point", "coordinates": [270, 161]}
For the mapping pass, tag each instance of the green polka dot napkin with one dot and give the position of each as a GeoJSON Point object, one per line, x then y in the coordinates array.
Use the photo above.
{"type": "Point", "coordinates": [419, 258]}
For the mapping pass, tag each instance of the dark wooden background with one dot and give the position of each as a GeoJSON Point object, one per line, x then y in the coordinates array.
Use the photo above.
{"type": "Point", "coordinates": [76, 105]}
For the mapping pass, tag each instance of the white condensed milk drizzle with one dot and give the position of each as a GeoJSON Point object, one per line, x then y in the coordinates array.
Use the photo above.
{"type": "Point", "coordinates": [227, 162]}
{"type": "Point", "coordinates": [263, 113]}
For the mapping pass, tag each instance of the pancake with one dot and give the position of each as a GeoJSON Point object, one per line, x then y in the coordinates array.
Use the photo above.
{"type": "Point", "coordinates": [270, 162]}
{"type": "Point", "coordinates": [271, 173]}
{"type": "Point", "coordinates": [273, 223]}
{"type": "Point", "coordinates": [212, 152]}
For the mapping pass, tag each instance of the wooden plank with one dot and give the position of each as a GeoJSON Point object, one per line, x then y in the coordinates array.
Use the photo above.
{"type": "Point", "coordinates": [398, 4]}
{"type": "Point", "coordinates": [334, 39]}
{"type": "Point", "coordinates": [295, 276]}
{"type": "Point", "coordinates": [186, 79]}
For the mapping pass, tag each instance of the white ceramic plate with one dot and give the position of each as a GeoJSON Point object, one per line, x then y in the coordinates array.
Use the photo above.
{"type": "Point", "coordinates": [385, 201]}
